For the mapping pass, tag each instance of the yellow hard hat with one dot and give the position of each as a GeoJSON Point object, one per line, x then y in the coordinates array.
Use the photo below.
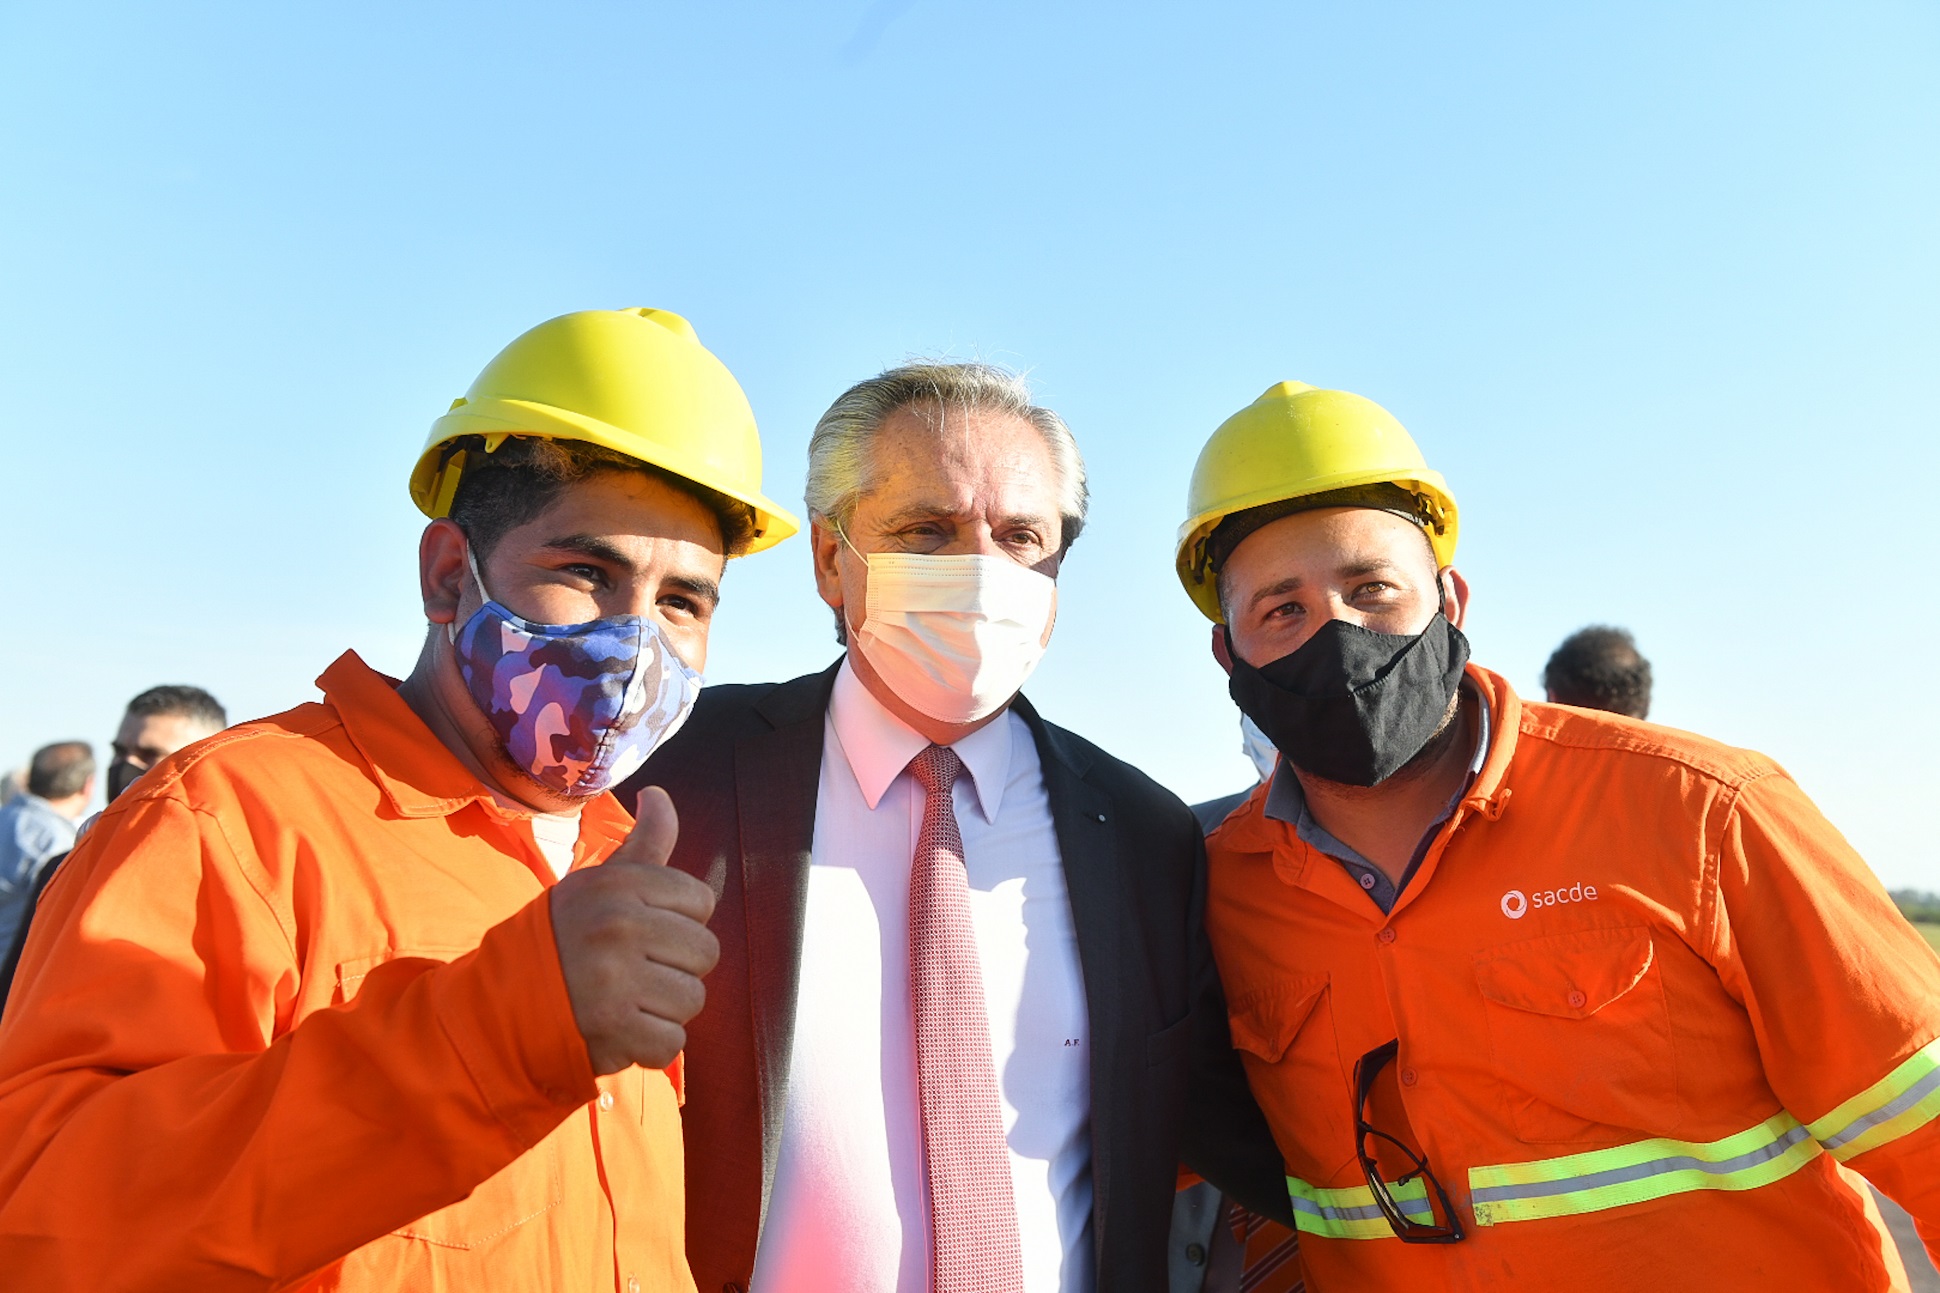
{"type": "Point", "coordinates": [1293, 442]}
{"type": "Point", "coordinates": [638, 382]}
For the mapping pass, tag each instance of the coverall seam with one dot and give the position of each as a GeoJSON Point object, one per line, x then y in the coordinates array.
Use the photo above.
{"type": "Point", "coordinates": [235, 861]}
{"type": "Point", "coordinates": [1732, 775]}
{"type": "Point", "coordinates": [1713, 879]}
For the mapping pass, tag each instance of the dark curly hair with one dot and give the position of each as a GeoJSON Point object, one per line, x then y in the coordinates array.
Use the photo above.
{"type": "Point", "coordinates": [1599, 667]}
{"type": "Point", "coordinates": [502, 490]}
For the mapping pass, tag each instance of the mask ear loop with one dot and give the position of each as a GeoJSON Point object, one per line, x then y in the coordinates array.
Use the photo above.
{"type": "Point", "coordinates": [859, 556]}
{"type": "Point", "coordinates": [471, 560]}
{"type": "Point", "coordinates": [842, 534]}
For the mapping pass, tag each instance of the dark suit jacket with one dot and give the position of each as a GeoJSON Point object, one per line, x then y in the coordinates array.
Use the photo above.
{"type": "Point", "coordinates": [744, 773]}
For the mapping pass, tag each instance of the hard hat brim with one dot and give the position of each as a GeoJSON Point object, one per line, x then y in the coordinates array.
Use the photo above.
{"type": "Point", "coordinates": [1201, 581]}
{"type": "Point", "coordinates": [433, 482]}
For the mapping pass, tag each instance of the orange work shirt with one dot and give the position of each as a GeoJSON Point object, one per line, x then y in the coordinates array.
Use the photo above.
{"type": "Point", "coordinates": [1648, 1002]}
{"type": "Point", "coordinates": [291, 1017]}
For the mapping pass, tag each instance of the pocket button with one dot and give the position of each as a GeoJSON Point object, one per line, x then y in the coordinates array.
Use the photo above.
{"type": "Point", "coordinates": [1576, 1000]}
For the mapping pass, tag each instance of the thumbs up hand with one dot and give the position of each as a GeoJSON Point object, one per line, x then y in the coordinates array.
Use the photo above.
{"type": "Point", "coordinates": [633, 945]}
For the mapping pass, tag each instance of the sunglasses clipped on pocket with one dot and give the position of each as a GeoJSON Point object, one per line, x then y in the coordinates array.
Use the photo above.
{"type": "Point", "coordinates": [1409, 1213]}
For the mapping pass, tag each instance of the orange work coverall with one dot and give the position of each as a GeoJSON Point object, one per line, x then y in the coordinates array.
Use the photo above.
{"type": "Point", "coordinates": [291, 1017]}
{"type": "Point", "coordinates": [1648, 1001]}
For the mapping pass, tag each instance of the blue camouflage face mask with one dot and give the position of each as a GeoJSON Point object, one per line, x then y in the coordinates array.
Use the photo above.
{"type": "Point", "coordinates": [578, 707]}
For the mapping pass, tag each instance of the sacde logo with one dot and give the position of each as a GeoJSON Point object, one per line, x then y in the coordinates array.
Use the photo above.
{"type": "Point", "coordinates": [1516, 904]}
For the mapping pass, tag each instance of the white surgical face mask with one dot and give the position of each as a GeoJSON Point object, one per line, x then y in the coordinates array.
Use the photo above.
{"type": "Point", "coordinates": [953, 636]}
{"type": "Point", "coordinates": [1257, 747]}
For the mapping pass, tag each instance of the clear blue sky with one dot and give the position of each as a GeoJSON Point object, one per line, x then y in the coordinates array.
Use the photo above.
{"type": "Point", "coordinates": [1655, 286]}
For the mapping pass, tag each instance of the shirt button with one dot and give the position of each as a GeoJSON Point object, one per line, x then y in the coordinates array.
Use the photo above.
{"type": "Point", "coordinates": [1385, 936]}
{"type": "Point", "coordinates": [606, 1102]}
{"type": "Point", "coordinates": [1196, 1254]}
{"type": "Point", "coordinates": [1409, 1077]}
{"type": "Point", "coordinates": [1367, 881]}
{"type": "Point", "coordinates": [1576, 1000]}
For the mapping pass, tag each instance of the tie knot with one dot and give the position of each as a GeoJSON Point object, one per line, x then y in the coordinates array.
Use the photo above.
{"type": "Point", "coordinates": [936, 769]}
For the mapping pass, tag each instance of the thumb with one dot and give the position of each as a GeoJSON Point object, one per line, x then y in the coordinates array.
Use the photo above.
{"type": "Point", "coordinates": [656, 826]}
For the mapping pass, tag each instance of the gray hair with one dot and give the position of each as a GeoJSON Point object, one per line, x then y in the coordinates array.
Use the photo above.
{"type": "Point", "coordinates": [838, 452]}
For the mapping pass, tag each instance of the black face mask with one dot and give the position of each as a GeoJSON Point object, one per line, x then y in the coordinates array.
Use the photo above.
{"type": "Point", "coordinates": [121, 775]}
{"type": "Point", "coordinates": [1352, 705]}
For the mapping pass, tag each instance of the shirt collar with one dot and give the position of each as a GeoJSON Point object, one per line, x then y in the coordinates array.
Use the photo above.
{"type": "Point", "coordinates": [419, 776]}
{"type": "Point", "coordinates": [879, 746]}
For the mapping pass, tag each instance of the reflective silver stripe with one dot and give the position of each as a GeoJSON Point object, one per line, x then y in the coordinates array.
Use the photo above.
{"type": "Point", "coordinates": [1413, 1209]}
{"type": "Point", "coordinates": [1858, 1127]}
{"type": "Point", "coordinates": [1350, 1212]}
{"type": "Point", "coordinates": [1640, 1171]}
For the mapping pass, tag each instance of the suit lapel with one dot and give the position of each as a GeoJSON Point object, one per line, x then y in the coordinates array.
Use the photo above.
{"type": "Point", "coordinates": [1082, 817]}
{"type": "Point", "coordinates": [776, 776]}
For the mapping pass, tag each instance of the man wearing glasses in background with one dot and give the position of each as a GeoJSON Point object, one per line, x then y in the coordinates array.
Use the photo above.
{"type": "Point", "coordinates": [1533, 997]}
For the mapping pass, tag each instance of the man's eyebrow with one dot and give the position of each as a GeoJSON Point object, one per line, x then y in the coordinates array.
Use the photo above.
{"type": "Point", "coordinates": [590, 545]}
{"type": "Point", "coordinates": [1280, 589]}
{"type": "Point", "coordinates": [1369, 566]}
{"type": "Point", "coordinates": [1353, 570]}
{"type": "Point", "coordinates": [603, 549]}
{"type": "Point", "coordinates": [944, 512]}
{"type": "Point", "coordinates": [918, 512]}
{"type": "Point", "coordinates": [707, 590]}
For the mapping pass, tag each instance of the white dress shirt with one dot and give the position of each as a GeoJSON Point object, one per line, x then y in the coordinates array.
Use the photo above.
{"type": "Point", "coordinates": [850, 1208]}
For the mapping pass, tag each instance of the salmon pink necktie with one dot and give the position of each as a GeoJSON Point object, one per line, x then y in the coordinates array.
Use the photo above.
{"type": "Point", "coordinates": [973, 1214]}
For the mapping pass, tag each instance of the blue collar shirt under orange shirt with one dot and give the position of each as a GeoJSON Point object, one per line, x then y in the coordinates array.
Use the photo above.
{"type": "Point", "coordinates": [1653, 1012]}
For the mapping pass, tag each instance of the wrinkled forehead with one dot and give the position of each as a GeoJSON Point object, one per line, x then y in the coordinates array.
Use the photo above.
{"type": "Point", "coordinates": [1327, 545]}
{"type": "Point", "coordinates": [960, 461]}
{"type": "Point", "coordinates": [624, 516]}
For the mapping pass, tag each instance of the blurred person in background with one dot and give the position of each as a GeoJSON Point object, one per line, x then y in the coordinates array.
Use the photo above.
{"type": "Point", "coordinates": [13, 783]}
{"type": "Point", "coordinates": [39, 826]}
{"type": "Point", "coordinates": [387, 992]}
{"type": "Point", "coordinates": [156, 724]}
{"type": "Point", "coordinates": [1599, 668]}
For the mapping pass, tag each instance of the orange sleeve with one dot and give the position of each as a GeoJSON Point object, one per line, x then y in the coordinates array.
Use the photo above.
{"type": "Point", "coordinates": [1843, 994]}
{"type": "Point", "coordinates": [162, 1123]}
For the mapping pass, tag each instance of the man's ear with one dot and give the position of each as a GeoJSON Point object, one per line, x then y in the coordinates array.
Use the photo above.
{"type": "Point", "coordinates": [1222, 652]}
{"type": "Point", "coordinates": [825, 546]}
{"type": "Point", "coordinates": [441, 570]}
{"type": "Point", "coordinates": [1455, 590]}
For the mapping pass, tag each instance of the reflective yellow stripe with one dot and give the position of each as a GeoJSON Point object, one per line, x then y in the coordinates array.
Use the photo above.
{"type": "Point", "coordinates": [1904, 1100]}
{"type": "Point", "coordinates": [1648, 1169]}
{"type": "Point", "coordinates": [1352, 1213]}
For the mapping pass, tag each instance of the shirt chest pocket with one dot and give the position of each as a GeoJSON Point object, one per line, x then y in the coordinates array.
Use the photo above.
{"type": "Point", "coordinates": [524, 1190]}
{"type": "Point", "coordinates": [1580, 1034]}
{"type": "Point", "coordinates": [1286, 1034]}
